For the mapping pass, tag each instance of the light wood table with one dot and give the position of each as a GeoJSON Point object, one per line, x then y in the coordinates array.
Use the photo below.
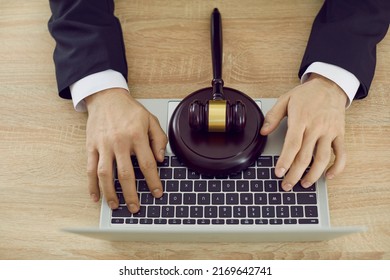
{"type": "Point", "coordinates": [43, 184]}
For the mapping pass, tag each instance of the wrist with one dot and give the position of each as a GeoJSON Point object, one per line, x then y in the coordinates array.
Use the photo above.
{"type": "Point", "coordinates": [104, 97]}
{"type": "Point", "coordinates": [330, 86]}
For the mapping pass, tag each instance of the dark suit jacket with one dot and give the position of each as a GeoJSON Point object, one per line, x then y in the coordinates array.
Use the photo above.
{"type": "Point", "coordinates": [89, 39]}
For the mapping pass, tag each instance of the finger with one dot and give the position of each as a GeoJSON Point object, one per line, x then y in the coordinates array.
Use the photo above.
{"type": "Point", "coordinates": [275, 115]}
{"type": "Point", "coordinates": [148, 166]}
{"type": "Point", "coordinates": [321, 160]}
{"type": "Point", "coordinates": [158, 139]}
{"type": "Point", "coordinates": [93, 181]}
{"type": "Point", "coordinates": [126, 178]}
{"type": "Point", "coordinates": [292, 145]}
{"type": "Point", "coordinates": [106, 181]}
{"type": "Point", "coordinates": [340, 158]}
{"type": "Point", "coordinates": [301, 162]}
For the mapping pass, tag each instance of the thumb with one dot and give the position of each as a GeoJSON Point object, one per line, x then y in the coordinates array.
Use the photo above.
{"type": "Point", "coordinates": [158, 139]}
{"type": "Point", "coordinates": [275, 115]}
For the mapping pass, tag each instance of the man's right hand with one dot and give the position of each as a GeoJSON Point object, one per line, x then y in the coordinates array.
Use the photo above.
{"type": "Point", "coordinates": [118, 127]}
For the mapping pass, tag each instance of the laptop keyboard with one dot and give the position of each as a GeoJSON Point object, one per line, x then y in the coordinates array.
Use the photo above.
{"type": "Point", "coordinates": [251, 197]}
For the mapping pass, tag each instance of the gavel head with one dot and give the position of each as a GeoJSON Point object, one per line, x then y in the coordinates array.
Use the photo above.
{"type": "Point", "coordinates": [217, 116]}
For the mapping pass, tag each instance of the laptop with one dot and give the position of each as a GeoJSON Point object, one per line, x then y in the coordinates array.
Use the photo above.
{"type": "Point", "coordinates": [249, 206]}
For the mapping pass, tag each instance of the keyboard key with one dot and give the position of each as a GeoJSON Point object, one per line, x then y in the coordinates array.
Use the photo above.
{"type": "Point", "coordinates": [308, 221]}
{"type": "Point", "coordinates": [211, 212]}
{"type": "Point", "coordinates": [232, 198]}
{"type": "Point", "coordinates": [264, 161]}
{"type": "Point", "coordinates": [193, 175]}
{"type": "Point", "coordinates": [261, 222]}
{"type": "Point", "coordinates": [162, 200]}
{"type": "Point", "coordinates": [260, 198]}
{"type": "Point", "coordinates": [256, 186]}
{"type": "Point", "coordinates": [160, 221]}
{"type": "Point", "coordinates": [203, 222]}
{"type": "Point", "coordinates": [142, 186]}
{"type": "Point", "coordinates": [165, 173]}
{"type": "Point", "coordinates": [232, 221]}
{"type": "Point", "coordinates": [273, 175]}
{"type": "Point", "coordinates": [121, 211]}
{"type": "Point", "coordinates": [175, 162]}
{"type": "Point", "coordinates": [268, 211]}
{"type": "Point", "coordinates": [147, 198]}
{"type": "Point", "coordinates": [247, 221]}
{"type": "Point", "coordinates": [246, 198]}
{"type": "Point", "coordinates": [189, 199]}
{"type": "Point", "coordinates": [146, 221]}
{"type": "Point", "coordinates": [239, 212]}
{"type": "Point", "coordinates": [225, 211]}
{"type": "Point", "coordinates": [228, 186]}
{"type": "Point", "coordinates": [249, 173]}
{"type": "Point", "coordinates": [121, 198]}
{"type": "Point", "coordinates": [289, 198]}
{"type": "Point", "coordinates": [307, 198]}
{"type": "Point", "coordinates": [275, 198]}
{"type": "Point", "coordinates": [175, 198]}
{"type": "Point", "coordinates": [243, 186]}
{"type": "Point", "coordinates": [131, 221]}
{"type": "Point", "coordinates": [218, 198]}
{"type": "Point", "coordinates": [200, 186]}
{"type": "Point", "coordinates": [117, 221]}
{"type": "Point", "coordinates": [282, 212]}
{"type": "Point", "coordinates": [172, 186]}
{"type": "Point", "coordinates": [182, 211]}
{"type": "Point", "coordinates": [296, 211]}
{"type": "Point", "coordinates": [217, 222]}
{"type": "Point", "coordinates": [186, 186]}
{"type": "Point", "coordinates": [263, 173]}
{"type": "Point", "coordinates": [275, 221]}
{"type": "Point", "coordinates": [203, 198]}
{"type": "Point", "coordinates": [298, 188]}
{"type": "Point", "coordinates": [270, 186]}
{"type": "Point", "coordinates": [167, 211]}
{"type": "Point", "coordinates": [174, 221]}
{"type": "Point", "coordinates": [141, 213]}
{"type": "Point", "coordinates": [179, 173]}
{"type": "Point", "coordinates": [153, 211]}
{"type": "Point", "coordinates": [253, 211]}
{"type": "Point", "coordinates": [196, 211]}
{"type": "Point", "coordinates": [189, 221]}
{"type": "Point", "coordinates": [311, 211]}
{"type": "Point", "coordinates": [214, 186]}
{"type": "Point", "coordinates": [290, 221]}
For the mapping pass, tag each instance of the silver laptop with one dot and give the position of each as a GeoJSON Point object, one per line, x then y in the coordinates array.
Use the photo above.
{"type": "Point", "coordinates": [246, 207]}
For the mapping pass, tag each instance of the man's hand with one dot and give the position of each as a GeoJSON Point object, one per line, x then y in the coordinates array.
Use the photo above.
{"type": "Point", "coordinates": [118, 126]}
{"type": "Point", "coordinates": [316, 124]}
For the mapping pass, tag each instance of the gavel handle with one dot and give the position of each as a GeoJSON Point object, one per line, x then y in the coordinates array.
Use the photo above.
{"type": "Point", "coordinates": [216, 54]}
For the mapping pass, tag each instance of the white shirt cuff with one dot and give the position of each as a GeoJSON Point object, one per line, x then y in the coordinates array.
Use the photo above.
{"type": "Point", "coordinates": [343, 78]}
{"type": "Point", "coordinates": [94, 83]}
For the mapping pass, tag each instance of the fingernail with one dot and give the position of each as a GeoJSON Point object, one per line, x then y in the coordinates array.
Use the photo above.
{"type": "Point", "coordinates": [112, 204]}
{"type": "Point", "coordinates": [280, 172]}
{"type": "Point", "coordinates": [157, 193]}
{"type": "Point", "coordinates": [133, 208]}
{"type": "Point", "coordinates": [287, 187]}
{"type": "Point", "coordinates": [306, 184]}
{"type": "Point", "coordinates": [94, 197]}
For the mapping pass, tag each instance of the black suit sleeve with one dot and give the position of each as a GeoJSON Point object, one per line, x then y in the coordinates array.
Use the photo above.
{"type": "Point", "coordinates": [88, 40]}
{"type": "Point", "coordinates": [345, 33]}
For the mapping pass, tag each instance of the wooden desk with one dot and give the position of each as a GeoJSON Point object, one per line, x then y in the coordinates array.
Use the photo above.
{"type": "Point", "coordinates": [43, 180]}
